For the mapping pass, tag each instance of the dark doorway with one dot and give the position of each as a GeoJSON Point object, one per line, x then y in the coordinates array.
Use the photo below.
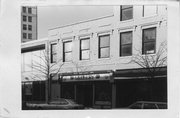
{"type": "Point", "coordinates": [85, 95]}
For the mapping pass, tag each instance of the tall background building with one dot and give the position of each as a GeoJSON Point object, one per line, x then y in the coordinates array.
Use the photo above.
{"type": "Point", "coordinates": [28, 23]}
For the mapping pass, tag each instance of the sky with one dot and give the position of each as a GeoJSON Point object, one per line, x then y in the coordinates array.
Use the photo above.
{"type": "Point", "coordinates": [55, 16]}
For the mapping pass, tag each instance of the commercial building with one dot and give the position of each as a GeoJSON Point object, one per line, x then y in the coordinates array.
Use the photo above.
{"type": "Point", "coordinates": [95, 58]}
{"type": "Point", "coordinates": [28, 23]}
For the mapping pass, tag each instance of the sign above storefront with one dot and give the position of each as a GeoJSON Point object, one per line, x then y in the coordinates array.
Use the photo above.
{"type": "Point", "coordinates": [88, 77]}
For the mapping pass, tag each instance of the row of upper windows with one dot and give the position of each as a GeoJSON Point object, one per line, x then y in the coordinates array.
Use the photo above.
{"type": "Point", "coordinates": [126, 11]}
{"type": "Point", "coordinates": [25, 35]}
{"type": "Point", "coordinates": [25, 27]}
{"type": "Point", "coordinates": [25, 18]}
{"type": "Point", "coordinates": [24, 10]}
{"type": "Point", "coordinates": [148, 46]}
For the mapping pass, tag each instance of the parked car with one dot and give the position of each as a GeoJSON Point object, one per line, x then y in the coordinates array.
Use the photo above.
{"type": "Point", "coordinates": [56, 104]}
{"type": "Point", "coordinates": [148, 105]}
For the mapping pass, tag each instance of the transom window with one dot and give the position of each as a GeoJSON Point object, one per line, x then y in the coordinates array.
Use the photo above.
{"type": "Point", "coordinates": [104, 46]}
{"type": "Point", "coordinates": [53, 53]}
{"type": "Point", "coordinates": [126, 43]}
{"type": "Point", "coordinates": [149, 41]}
{"type": "Point", "coordinates": [67, 51]}
{"type": "Point", "coordinates": [126, 12]}
{"type": "Point", "coordinates": [84, 49]}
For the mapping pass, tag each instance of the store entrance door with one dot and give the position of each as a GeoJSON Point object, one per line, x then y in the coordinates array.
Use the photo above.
{"type": "Point", "coordinates": [85, 95]}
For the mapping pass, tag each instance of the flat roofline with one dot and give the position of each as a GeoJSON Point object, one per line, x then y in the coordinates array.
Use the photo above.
{"type": "Point", "coordinates": [34, 41]}
{"type": "Point", "coordinates": [82, 22]}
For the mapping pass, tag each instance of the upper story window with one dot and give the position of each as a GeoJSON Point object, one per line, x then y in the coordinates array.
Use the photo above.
{"type": "Point", "coordinates": [29, 36]}
{"type": "Point", "coordinates": [149, 41]}
{"type": "Point", "coordinates": [24, 27]}
{"type": "Point", "coordinates": [149, 10]}
{"type": "Point", "coordinates": [126, 43]}
{"type": "Point", "coordinates": [104, 46]}
{"type": "Point", "coordinates": [84, 49]}
{"type": "Point", "coordinates": [126, 12]}
{"type": "Point", "coordinates": [24, 18]}
{"type": "Point", "coordinates": [67, 51]}
{"type": "Point", "coordinates": [29, 19]}
{"type": "Point", "coordinates": [24, 9]}
{"type": "Point", "coordinates": [24, 35]}
{"type": "Point", "coordinates": [29, 10]}
{"type": "Point", "coordinates": [30, 27]}
{"type": "Point", "coordinates": [53, 53]}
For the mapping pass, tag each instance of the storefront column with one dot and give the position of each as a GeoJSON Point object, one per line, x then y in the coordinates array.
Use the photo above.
{"type": "Point", "coordinates": [93, 94]}
{"type": "Point", "coordinates": [75, 92]}
{"type": "Point", "coordinates": [113, 95]}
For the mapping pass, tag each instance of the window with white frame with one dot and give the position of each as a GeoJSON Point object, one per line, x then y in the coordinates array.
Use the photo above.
{"type": "Point", "coordinates": [67, 51]}
{"type": "Point", "coordinates": [149, 40]}
{"type": "Point", "coordinates": [84, 48]}
{"type": "Point", "coordinates": [126, 43]}
{"type": "Point", "coordinates": [149, 10]}
{"type": "Point", "coordinates": [126, 12]}
{"type": "Point", "coordinates": [53, 53]}
{"type": "Point", "coordinates": [104, 46]}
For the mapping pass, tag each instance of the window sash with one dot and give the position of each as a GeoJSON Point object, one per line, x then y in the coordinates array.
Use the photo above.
{"type": "Point", "coordinates": [85, 54]}
{"type": "Point", "coordinates": [85, 43]}
{"type": "Point", "coordinates": [24, 35]}
{"type": "Point", "coordinates": [126, 12]}
{"type": "Point", "coordinates": [29, 36]}
{"type": "Point", "coordinates": [53, 53]}
{"type": "Point", "coordinates": [24, 9]}
{"type": "Point", "coordinates": [149, 44]}
{"type": "Point", "coordinates": [126, 50]}
{"type": "Point", "coordinates": [29, 10]}
{"type": "Point", "coordinates": [30, 27]}
{"type": "Point", "coordinates": [29, 18]}
{"type": "Point", "coordinates": [24, 27]}
{"type": "Point", "coordinates": [67, 56]}
{"type": "Point", "coordinates": [104, 52]}
{"type": "Point", "coordinates": [24, 18]}
{"type": "Point", "coordinates": [104, 41]}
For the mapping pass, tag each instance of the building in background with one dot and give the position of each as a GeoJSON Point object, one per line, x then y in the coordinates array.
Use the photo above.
{"type": "Point", "coordinates": [28, 23]}
{"type": "Point", "coordinates": [96, 56]}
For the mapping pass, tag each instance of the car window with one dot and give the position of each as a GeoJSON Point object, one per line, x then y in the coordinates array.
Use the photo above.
{"type": "Point", "coordinates": [162, 106]}
{"type": "Point", "coordinates": [136, 106]}
{"type": "Point", "coordinates": [149, 106]}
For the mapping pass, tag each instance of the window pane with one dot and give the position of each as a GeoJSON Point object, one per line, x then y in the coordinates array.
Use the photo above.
{"type": "Point", "coordinates": [24, 27]}
{"type": "Point", "coordinates": [24, 35]}
{"type": "Point", "coordinates": [67, 46]}
{"type": "Point", "coordinates": [126, 50]}
{"type": "Point", "coordinates": [24, 18]}
{"type": "Point", "coordinates": [29, 36]}
{"type": "Point", "coordinates": [29, 18]}
{"type": "Point", "coordinates": [68, 56]}
{"type": "Point", "coordinates": [24, 9]}
{"type": "Point", "coordinates": [85, 54]}
{"type": "Point", "coordinates": [28, 61]}
{"type": "Point", "coordinates": [126, 6]}
{"type": "Point", "coordinates": [104, 52]}
{"type": "Point", "coordinates": [53, 48]}
{"type": "Point", "coordinates": [149, 48]}
{"type": "Point", "coordinates": [127, 14]}
{"type": "Point", "coordinates": [85, 44]}
{"type": "Point", "coordinates": [104, 41]}
{"type": "Point", "coordinates": [30, 27]}
{"type": "Point", "coordinates": [150, 10]}
{"type": "Point", "coordinates": [126, 38]}
{"type": "Point", "coordinates": [149, 34]}
{"type": "Point", "coordinates": [29, 10]}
